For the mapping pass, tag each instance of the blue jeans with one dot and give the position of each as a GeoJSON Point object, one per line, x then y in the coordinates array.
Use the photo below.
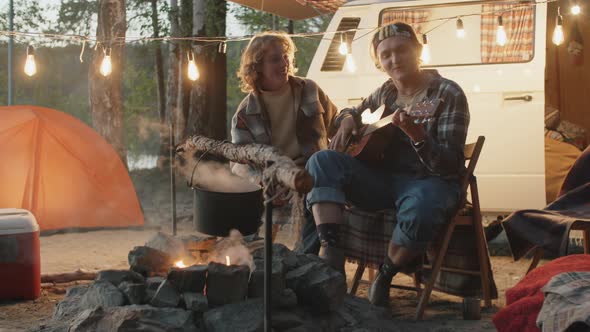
{"type": "Point", "coordinates": [422, 204]}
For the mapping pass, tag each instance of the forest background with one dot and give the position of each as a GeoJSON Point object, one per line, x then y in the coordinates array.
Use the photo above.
{"type": "Point", "coordinates": [152, 75]}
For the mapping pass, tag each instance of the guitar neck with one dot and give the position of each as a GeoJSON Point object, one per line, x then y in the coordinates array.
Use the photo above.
{"type": "Point", "coordinates": [421, 110]}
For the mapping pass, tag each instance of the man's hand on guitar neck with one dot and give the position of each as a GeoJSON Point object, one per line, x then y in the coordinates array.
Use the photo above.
{"type": "Point", "coordinates": [348, 128]}
{"type": "Point", "coordinates": [407, 124]}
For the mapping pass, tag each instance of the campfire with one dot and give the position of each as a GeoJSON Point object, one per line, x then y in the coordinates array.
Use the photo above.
{"type": "Point", "coordinates": [203, 283]}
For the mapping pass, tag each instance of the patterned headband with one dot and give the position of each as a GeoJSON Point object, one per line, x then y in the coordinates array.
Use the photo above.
{"type": "Point", "coordinates": [391, 30]}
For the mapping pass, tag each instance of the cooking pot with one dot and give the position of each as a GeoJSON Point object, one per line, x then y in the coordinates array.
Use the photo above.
{"type": "Point", "coordinates": [216, 213]}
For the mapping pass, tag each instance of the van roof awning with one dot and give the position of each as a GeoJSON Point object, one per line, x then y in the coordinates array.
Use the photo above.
{"type": "Point", "coordinates": [293, 9]}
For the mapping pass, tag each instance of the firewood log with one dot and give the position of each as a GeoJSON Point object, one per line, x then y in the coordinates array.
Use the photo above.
{"type": "Point", "coordinates": [60, 278]}
{"type": "Point", "coordinates": [268, 157]}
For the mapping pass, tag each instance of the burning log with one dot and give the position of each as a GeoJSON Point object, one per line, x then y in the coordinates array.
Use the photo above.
{"type": "Point", "coordinates": [227, 283]}
{"type": "Point", "coordinates": [284, 169]}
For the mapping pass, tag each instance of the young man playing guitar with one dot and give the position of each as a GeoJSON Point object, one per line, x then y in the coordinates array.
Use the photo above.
{"type": "Point", "coordinates": [418, 171]}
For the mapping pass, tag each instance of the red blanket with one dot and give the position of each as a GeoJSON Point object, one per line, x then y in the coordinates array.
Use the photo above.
{"type": "Point", "coordinates": [524, 301]}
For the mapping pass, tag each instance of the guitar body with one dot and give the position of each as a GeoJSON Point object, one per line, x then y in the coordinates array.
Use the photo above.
{"type": "Point", "coordinates": [370, 148]}
{"type": "Point", "coordinates": [370, 144]}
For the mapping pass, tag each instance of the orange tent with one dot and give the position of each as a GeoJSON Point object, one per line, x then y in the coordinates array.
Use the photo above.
{"type": "Point", "coordinates": [62, 171]}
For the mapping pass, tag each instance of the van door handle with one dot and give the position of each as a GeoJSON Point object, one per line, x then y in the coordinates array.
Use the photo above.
{"type": "Point", "coordinates": [525, 98]}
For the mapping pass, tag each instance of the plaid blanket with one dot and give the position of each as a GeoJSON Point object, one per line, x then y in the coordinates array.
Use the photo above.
{"type": "Point", "coordinates": [567, 302]}
{"type": "Point", "coordinates": [365, 237]}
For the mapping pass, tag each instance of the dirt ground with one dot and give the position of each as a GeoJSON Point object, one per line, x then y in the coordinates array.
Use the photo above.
{"type": "Point", "coordinates": [108, 249]}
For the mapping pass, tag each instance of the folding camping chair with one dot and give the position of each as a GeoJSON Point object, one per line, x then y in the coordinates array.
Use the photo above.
{"type": "Point", "coordinates": [576, 226]}
{"type": "Point", "coordinates": [466, 216]}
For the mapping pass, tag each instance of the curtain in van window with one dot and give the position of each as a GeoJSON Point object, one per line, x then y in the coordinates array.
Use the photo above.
{"type": "Point", "coordinates": [415, 18]}
{"type": "Point", "coordinates": [519, 24]}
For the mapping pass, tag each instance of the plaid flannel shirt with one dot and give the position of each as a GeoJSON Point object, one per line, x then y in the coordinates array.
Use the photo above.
{"type": "Point", "coordinates": [442, 151]}
{"type": "Point", "coordinates": [567, 302]}
{"type": "Point", "coordinates": [314, 122]}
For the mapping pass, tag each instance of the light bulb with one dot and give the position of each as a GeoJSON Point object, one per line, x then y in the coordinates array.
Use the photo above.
{"type": "Point", "coordinates": [558, 32]}
{"type": "Point", "coordinates": [106, 66]}
{"type": "Point", "coordinates": [193, 71]}
{"type": "Point", "coordinates": [30, 65]}
{"type": "Point", "coordinates": [576, 9]}
{"type": "Point", "coordinates": [501, 37]}
{"type": "Point", "coordinates": [350, 65]}
{"type": "Point", "coordinates": [343, 49]}
{"type": "Point", "coordinates": [425, 56]}
{"type": "Point", "coordinates": [460, 29]}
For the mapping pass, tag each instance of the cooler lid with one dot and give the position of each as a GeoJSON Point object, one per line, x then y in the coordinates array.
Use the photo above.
{"type": "Point", "coordinates": [16, 221]}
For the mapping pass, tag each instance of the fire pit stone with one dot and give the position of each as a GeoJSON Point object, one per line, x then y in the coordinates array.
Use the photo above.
{"type": "Point", "coordinates": [166, 296]}
{"type": "Point", "coordinates": [317, 285]}
{"type": "Point", "coordinates": [196, 302]}
{"type": "Point", "coordinates": [149, 261]}
{"type": "Point", "coordinates": [116, 277]}
{"type": "Point", "coordinates": [134, 293]}
{"type": "Point", "coordinates": [256, 286]}
{"type": "Point", "coordinates": [280, 252]}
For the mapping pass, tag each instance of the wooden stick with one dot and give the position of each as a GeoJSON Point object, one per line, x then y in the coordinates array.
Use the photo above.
{"type": "Point", "coordinates": [60, 278]}
{"type": "Point", "coordinates": [289, 174]}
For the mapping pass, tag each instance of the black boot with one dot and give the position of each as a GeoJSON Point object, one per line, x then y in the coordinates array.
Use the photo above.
{"type": "Point", "coordinates": [333, 256]}
{"type": "Point", "coordinates": [330, 251]}
{"type": "Point", "coordinates": [379, 291]}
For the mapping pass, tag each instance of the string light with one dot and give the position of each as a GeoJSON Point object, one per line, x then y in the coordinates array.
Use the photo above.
{"type": "Point", "coordinates": [30, 65]}
{"type": "Point", "coordinates": [343, 49]}
{"type": "Point", "coordinates": [501, 38]}
{"type": "Point", "coordinates": [350, 64]}
{"type": "Point", "coordinates": [193, 71]}
{"type": "Point", "coordinates": [558, 32]}
{"type": "Point", "coordinates": [576, 9]}
{"type": "Point", "coordinates": [106, 66]}
{"type": "Point", "coordinates": [425, 56]}
{"type": "Point", "coordinates": [460, 29]}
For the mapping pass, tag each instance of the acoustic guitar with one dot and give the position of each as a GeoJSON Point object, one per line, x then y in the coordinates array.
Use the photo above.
{"type": "Point", "coordinates": [370, 142]}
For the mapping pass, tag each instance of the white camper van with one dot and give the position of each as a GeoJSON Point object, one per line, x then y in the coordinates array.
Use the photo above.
{"type": "Point", "coordinates": [504, 84]}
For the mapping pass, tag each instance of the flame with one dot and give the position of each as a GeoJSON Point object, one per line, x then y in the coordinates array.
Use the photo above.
{"type": "Point", "coordinates": [227, 262]}
{"type": "Point", "coordinates": [179, 264]}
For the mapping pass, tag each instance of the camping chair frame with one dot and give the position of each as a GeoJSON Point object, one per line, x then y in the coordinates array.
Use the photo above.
{"type": "Point", "coordinates": [463, 217]}
{"type": "Point", "coordinates": [576, 226]}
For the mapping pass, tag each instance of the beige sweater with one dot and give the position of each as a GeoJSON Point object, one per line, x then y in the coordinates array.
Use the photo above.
{"type": "Point", "coordinates": [281, 109]}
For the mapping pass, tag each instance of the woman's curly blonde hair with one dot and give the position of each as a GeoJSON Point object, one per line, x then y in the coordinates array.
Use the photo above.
{"type": "Point", "coordinates": [252, 57]}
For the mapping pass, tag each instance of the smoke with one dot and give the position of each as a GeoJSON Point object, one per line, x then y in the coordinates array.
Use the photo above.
{"type": "Point", "coordinates": [235, 248]}
{"type": "Point", "coordinates": [213, 176]}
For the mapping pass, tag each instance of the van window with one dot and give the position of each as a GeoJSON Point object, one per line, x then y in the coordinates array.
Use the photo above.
{"type": "Point", "coordinates": [334, 61]}
{"type": "Point", "coordinates": [480, 22]}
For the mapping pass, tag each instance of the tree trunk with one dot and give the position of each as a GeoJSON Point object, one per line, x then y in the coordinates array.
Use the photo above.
{"type": "Point", "coordinates": [172, 106]}
{"type": "Point", "coordinates": [217, 72]}
{"type": "Point", "coordinates": [105, 93]}
{"type": "Point", "coordinates": [164, 155]}
{"type": "Point", "coordinates": [184, 84]}
{"type": "Point", "coordinates": [210, 93]}
{"type": "Point", "coordinates": [198, 119]}
{"type": "Point", "coordinates": [280, 167]}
